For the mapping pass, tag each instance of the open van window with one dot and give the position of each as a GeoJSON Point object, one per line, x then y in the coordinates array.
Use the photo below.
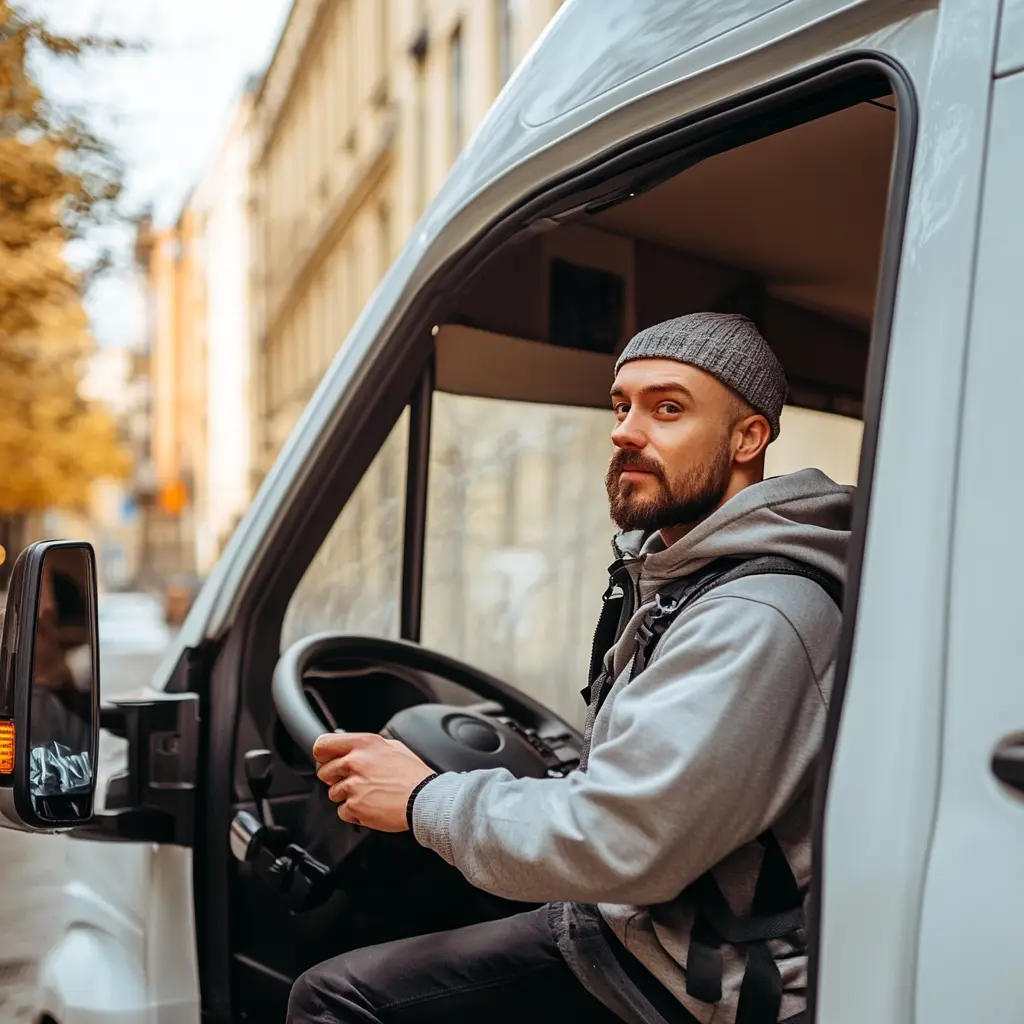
{"type": "Point", "coordinates": [787, 229]}
{"type": "Point", "coordinates": [354, 583]}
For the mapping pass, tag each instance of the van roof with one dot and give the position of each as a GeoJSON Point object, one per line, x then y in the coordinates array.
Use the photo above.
{"type": "Point", "coordinates": [594, 58]}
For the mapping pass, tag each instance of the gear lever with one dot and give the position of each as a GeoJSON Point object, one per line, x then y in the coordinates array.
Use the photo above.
{"type": "Point", "coordinates": [259, 773]}
{"type": "Point", "coordinates": [302, 880]}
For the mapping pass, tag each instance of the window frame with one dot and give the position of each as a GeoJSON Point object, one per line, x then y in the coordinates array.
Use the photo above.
{"type": "Point", "coordinates": [248, 652]}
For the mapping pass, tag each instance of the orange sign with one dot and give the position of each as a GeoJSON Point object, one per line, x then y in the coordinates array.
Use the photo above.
{"type": "Point", "coordinates": [173, 498]}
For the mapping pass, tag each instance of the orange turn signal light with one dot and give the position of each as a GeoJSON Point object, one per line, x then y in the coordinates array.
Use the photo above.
{"type": "Point", "coordinates": [6, 748]}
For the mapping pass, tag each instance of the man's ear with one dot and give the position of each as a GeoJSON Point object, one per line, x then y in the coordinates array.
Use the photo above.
{"type": "Point", "coordinates": [752, 435]}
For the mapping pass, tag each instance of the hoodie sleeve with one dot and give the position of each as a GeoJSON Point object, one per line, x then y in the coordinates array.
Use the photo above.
{"type": "Point", "coordinates": [704, 750]}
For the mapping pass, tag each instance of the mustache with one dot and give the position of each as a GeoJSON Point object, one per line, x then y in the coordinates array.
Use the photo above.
{"type": "Point", "coordinates": [623, 460]}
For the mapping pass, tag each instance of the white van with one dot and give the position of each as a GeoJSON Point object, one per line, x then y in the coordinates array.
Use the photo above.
{"type": "Point", "coordinates": [847, 172]}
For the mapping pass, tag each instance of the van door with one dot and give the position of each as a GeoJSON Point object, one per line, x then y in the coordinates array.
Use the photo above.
{"type": "Point", "coordinates": [908, 898]}
{"type": "Point", "coordinates": [973, 897]}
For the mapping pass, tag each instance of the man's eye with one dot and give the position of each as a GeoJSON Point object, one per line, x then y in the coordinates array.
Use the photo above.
{"type": "Point", "coordinates": [669, 408]}
{"type": "Point", "coordinates": [620, 408]}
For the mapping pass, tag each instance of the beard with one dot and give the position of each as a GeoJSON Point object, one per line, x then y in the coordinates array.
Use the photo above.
{"type": "Point", "coordinates": [682, 500]}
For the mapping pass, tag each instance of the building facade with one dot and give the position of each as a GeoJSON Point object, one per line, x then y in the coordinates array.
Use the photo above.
{"type": "Point", "coordinates": [220, 204]}
{"type": "Point", "coordinates": [176, 366]}
{"type": "Point", "coordinates": [197, 482]}
{"type": "Point", "coordinates": [362, 111]}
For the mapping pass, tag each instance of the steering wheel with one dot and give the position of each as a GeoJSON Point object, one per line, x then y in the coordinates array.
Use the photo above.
{"type": "Point", "coordinates": [510, 730]}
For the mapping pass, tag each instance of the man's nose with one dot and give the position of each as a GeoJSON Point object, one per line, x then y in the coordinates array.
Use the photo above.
{"type": "Point", "coordinates": [628, 434]}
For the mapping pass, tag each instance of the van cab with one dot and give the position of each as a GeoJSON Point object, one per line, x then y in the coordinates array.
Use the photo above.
{"type": "Point", "coordinates": [430, 545]}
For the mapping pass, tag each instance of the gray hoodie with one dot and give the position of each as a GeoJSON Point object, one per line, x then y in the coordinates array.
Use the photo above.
{"type": "Point", "coordinates": [714, 742]}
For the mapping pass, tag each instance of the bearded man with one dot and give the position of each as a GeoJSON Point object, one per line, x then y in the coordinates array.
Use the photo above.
{"type": "Point", "coordinates": [673, 864]}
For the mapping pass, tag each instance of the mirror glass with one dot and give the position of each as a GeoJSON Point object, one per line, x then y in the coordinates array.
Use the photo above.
{"type": "Point", "coordinates": [63, 697]}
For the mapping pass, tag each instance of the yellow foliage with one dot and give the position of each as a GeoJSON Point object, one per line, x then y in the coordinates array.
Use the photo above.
{"type": "Point", "coordinates": [56, 180]}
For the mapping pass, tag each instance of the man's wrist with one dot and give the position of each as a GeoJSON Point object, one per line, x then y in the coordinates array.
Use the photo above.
{"type": "Point", "coordinates": [412, 798]}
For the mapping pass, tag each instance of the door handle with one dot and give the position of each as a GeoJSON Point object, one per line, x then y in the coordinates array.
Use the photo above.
{"type": "Point", "coordinates": [1008, 762]}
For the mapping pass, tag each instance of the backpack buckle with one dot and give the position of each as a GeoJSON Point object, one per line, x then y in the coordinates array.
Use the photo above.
{"type": "Point", "coordinates": [664, 606]}
{"type": "Point", "coordinates": [650, 630]}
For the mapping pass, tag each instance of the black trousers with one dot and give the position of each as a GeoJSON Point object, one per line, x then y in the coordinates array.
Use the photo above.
{"type": "Point", "coordinates": [492, 973]}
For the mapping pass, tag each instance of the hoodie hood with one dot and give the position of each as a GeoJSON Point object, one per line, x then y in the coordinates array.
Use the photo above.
{"type": "Point", "coordinates": [804, 516]}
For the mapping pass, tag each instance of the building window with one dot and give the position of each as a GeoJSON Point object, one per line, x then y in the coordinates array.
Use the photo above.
{"type": "Point", "coordinates": [353, 289]}
{"type": "Point", "coordinates": [383, 42]}
{"type": "Point", "coordinates": [322, 122]}
{"type": "Point", "coordinates": [318, 330]}
{"type": "Point", "coordinates": [352, 75]}
{"type": "Point", "coordinates": [505, 17]}
{"type": "Point", "coordinates": [456, 91]}
{"type": "Point", "coordinates": [421, 139]}
{"type": "Point", "coordinates": [335, 73]}
{"type": "Point", "coordinates": [383, 239]}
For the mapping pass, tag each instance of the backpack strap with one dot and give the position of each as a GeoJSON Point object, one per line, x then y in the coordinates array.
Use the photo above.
{"type": "Point", "coordinates": [777, 907]}
{"type": "Point", "coordinates": [616, 611]}
{"type": "Point", "coordinates": [672, 599]}
{"type": "Point", "coordinates": [776, 913]}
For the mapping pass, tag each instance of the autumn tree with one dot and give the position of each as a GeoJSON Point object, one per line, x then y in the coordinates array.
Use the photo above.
{"type": "Point", "coordinates": [58, 181]}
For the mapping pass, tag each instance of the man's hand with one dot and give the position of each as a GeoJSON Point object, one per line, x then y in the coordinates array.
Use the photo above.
{"type": "Point", "coordinates": [371, 778]}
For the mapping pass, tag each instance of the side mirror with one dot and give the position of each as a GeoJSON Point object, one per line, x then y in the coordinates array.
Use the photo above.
{"type": "Point", "coordinates": [49, 689]}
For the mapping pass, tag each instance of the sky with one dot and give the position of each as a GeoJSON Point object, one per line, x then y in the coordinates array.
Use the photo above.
{"type": "Point", "coordinates": [164, 108]}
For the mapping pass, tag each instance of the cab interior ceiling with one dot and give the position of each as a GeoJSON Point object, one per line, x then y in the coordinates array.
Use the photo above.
{"type": "Point", "coordinates": [787, 229]}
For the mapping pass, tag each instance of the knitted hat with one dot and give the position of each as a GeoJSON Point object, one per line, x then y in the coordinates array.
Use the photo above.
{"type": "Point", "coordinates": [729, 347]}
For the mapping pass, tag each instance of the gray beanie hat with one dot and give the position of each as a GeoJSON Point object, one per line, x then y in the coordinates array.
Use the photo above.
{"type": "Point", "coordinates": [728, 346]}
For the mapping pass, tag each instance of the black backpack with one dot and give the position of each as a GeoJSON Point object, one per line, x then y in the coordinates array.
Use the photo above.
{"type": "Point", "coordinates": [777, 909]}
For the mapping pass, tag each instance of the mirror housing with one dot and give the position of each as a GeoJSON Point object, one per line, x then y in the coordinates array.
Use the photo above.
{"type": "Point", "coordinates": [49, 689]}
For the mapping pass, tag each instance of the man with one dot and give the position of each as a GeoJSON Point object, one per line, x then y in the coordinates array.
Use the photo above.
{"type": "Point", "coordinates": [690, 815]}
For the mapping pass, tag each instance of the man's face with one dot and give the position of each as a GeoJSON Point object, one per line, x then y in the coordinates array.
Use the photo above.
{"type": "Point", "coordinates": [673, 457]}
